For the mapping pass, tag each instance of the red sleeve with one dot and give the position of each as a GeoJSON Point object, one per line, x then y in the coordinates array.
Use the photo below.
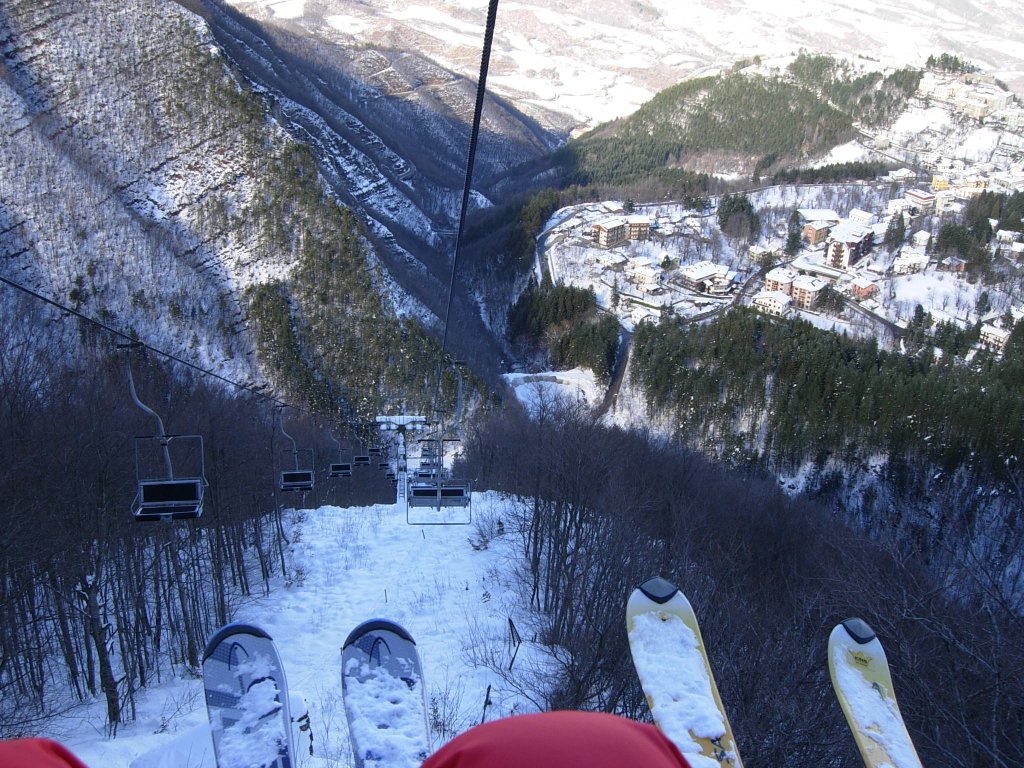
{"type": "Point", "coordinates": [557, 740]}
{"type": "Point", "coordinates": [36, 753]}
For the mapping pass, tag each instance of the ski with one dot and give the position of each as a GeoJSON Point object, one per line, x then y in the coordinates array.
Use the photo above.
{"type": "Point", "coordinates": [863, 685]}
{"type": "Point", "coordinates": [675, 674]}
{"type": "Point", "coordinates": [247, 699]}
{"type": "Point", "coordinates": [385, 702]}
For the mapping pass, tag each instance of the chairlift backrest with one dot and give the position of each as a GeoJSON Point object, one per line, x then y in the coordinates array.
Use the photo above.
{"type": "Point", "coordinates": [447, 495]}
{"type": "Point", "coordinates": [178, 499]}
{"type": "Point", "coordinates": [297, 480]}
{"type": "Point", "coordinates": [340, 470]}
{"type": "Point", "coordinates": [361, 461]}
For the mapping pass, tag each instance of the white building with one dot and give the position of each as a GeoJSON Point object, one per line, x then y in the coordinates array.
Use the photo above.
{"type": "Point", "coordinates": [699, 276]}
{"type": "Point", "coordinates": [994, 338]}
{"type": "Point", "coordinates": [862, 217]}
{"type": "Point", "coordinates": [921, 199]}
{"type": "Point", "coordinates": [909, 260]}
{"type": "Point", "coordinates": [774, 303]}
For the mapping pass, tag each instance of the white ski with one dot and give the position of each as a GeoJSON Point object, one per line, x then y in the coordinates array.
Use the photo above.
{"type": "Point", "coordinates": [385, 703]}
{"type": "Point", "coordinates": [670, 659]}
{"type": "Point", "coordinates": [863, 685]}
{"type": "Point", "coordinates": [247, 699]}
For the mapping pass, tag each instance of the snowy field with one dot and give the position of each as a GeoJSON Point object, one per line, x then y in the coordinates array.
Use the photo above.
{"type": "Point", "coordinates": [348, 565]}
{"type": "Point", "coordinates": [535, 390]}
{"type": "Point", "coordinates": [600, 60]}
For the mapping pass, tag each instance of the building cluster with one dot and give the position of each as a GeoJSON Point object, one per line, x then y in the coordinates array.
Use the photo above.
{"type": "Point", "coordinates": [978, 97]}
{"type": "Point", "coordinates": [785, 288]}
{"type": "Point", "coordinates": [973, 94]}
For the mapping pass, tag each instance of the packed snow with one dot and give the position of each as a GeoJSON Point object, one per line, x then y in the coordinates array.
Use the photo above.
{"type": "Point", "coordinates": [535, 390]}
{"type": "Point", "coordinates": [387, 715]}
{"type": "Point", "coordinates": [451, 587]}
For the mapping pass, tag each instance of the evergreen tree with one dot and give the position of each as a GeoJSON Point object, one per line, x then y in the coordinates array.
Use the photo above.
{"type": "Point", "coordinates": [793, 236]}
{"type": "Point", "coordinates": [895, 232]}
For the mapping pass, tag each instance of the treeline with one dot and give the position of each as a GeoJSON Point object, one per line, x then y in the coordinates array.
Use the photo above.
{"type": "Point", "coordinates": [541, 308]}
{"type": "Point", "coordinates": [562, 320]}
{"type": "Point", "coordinates": [780, 391]}
{"type": "Point", "coordinates": [831, 173]}
{"type": "Point", "coordinates": [596, 511]}
{"type": "Point", "coordinates": [94, 605]}
{"type": "Point", "coordinates": [870, 98]}
{"type": "Point", "coordinates": [949, 62]}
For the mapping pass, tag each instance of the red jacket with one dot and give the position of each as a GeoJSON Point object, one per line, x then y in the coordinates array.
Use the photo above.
{"type": "Point", "coordinates": [559, 740]}
{"type": "Point", "coordinates": [36, 753]}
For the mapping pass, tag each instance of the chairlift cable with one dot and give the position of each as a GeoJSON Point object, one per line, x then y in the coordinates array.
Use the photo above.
{"type": "Point", "coordinates": [481, 89]}
{"type": "Point", "coordinates": [144, 345]}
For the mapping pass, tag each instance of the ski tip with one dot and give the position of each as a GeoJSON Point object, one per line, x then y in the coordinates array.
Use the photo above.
{"type": "Point", "coordinates": [858, 630]}
{"type": "Point", "coordinates": [378, 625]}
{"type": "Point", "coordinates": [236, 628]}
{"type": "Point", "coordinates": [659, 590]}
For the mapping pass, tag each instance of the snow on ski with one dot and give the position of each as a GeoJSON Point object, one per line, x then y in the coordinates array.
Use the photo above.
{"type": "Point", "coordinates": [385, 702]}
{"type": "Point", "coordinates": [671, 661]}
{"type": "Point", "coordinates": [863, 685]}
{"type": "Point", "coordinates": [247, 699]}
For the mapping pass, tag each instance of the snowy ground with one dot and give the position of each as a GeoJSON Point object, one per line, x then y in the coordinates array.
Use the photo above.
{"type": "Point", "coordinates": [536, 389]}
{"type": "Point", "coordinates": [349, 565]}
{"type": "Point", "coordinates": [595, 61]}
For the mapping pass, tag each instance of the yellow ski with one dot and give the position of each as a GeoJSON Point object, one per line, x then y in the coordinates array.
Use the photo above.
{"type": "Point", "coordinates": [671, 661]}
{"type": "Point", "coordinates": [863, 685]}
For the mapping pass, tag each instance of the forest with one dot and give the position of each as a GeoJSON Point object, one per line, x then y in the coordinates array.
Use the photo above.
{"type": "Point", "coordinates": [563, 322]}
{"type": "Point", "coordinates": [870, 98]}
{"type": "Point", "coordinates": [802, 392]}
{"type": "Point", "coordinates": [750, 115]}
{"type": "Point", "coordinates": [598, 510]}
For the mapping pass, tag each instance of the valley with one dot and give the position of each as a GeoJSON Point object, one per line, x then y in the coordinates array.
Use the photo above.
{"type": "Point", "coordinates": [763, 309]}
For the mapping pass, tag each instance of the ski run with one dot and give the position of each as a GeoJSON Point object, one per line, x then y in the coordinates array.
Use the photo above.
{"type": "Point", "coordinates": [349, 565]}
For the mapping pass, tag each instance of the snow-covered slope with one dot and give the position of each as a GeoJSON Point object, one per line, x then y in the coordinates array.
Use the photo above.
{"type": "Point", "coordinates": [450, 587]}
{"type": "Point", "coordinates": [126, 182]}
{"type": "Point", "coordinates": [588, 62]}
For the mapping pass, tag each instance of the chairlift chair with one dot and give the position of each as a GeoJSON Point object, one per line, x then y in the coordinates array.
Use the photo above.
{"type": "Point", "coordinates": [296, 478]}
{"type": "Point", "coordinates": [444, 494]}
{"type": "Point", "coordinates": [169, 498]}
{"type": "Point", "coordinates": [341, 469]}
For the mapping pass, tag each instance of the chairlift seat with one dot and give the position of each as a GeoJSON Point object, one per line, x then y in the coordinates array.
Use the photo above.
{"type": "Point", "coordinates": [176, 499]}
{"type": "Point", "coordinates": [297, 480]}
{"type": "Point", "coordinates": [450, 495]}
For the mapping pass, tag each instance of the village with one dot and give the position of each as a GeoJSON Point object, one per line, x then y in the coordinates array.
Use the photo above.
{"type": "Point", "coordinates": [646, 262]}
